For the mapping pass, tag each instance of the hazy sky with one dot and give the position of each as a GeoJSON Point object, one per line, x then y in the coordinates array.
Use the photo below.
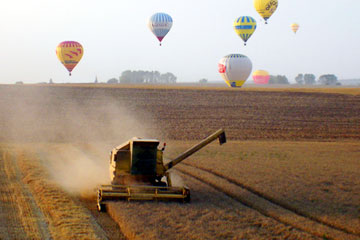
{"type": "Point", "coordinates": [115, 38]}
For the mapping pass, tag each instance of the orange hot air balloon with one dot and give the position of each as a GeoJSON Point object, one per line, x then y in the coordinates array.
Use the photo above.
{"type": "Point", "coordinates": [69, 53]}
{"type": "Point", "coordinates": [294, 27]}
{"type": "Point", "coordinates": [261, 77]}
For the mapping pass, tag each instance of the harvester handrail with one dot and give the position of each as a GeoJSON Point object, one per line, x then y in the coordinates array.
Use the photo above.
{"type": "Point", "coordinates": [218, 134]}
{"type": "Point", "coordinates": [103, 187]}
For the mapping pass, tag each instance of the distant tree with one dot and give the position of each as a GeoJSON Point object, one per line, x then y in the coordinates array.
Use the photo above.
{"type": "Point", "coordinates": [279, 79]}
{"type": "Point", "coordinates": [50, 81]}
{"type": "Point", "coordinates": [96, 80]}
{"type": "Point", "coordinates": [19, 83]}
{"type": "Point", "coordinates": [299, 78]}
{"type": "Point", "coordinates": [203, 81]}
{"type": "Point", "coordinates": [151, 77]}
{"type": "Point", "coordinates": [172, 78]}
{"type": "Point", "coordinates": [328, 79]}
{"type": "Point", "coordinates": [112, 81]}
{"type": "Point", "coordinates": [125, 77]}
{"type": "Point", "coordinates": [147, 77]}
{"type": "Point", "coordinates": [133, 76]}
{"type": "Point", "coordinates": [138, 76]}
{"type": "Point", "coordinates": [156, 77]}
{"type": "Point", "coordinates": [167, 78]}
{"type": "Point", "coordinates": [309, 79]}
{"type": "Point", "coordinates": [272, 79]}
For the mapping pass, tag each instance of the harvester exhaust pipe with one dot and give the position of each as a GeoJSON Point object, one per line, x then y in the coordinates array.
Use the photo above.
{"type": "Point", "coordinates": [218, 134]}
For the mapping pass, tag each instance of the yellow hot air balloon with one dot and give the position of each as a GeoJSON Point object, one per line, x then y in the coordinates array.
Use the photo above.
{"type": "Point", "coordinates": [244, 27]}
{"type": "Point", "coordinates": [69, 53]}
{"type": "Point", "coordinates": [294, 27]}
{"type": "Point", "coordinates": [265, 8]}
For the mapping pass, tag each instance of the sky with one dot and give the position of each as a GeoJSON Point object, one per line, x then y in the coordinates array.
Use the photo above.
{"type": "Point", "coordinates": [115, 38]}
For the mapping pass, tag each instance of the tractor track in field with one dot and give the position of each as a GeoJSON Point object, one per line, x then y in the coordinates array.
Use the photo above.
{"type": "Point", "coordinates": [20, 214]}
{"type": "Point", "coordinates": [266, 205]}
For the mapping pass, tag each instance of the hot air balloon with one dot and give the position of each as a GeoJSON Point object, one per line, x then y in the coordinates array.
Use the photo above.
{"type": "Point", "coordinates": [160, 24]}
{"type": "Point", "coordinates": [244, 27]}
{"type": "Point", "coordinates": [69, 53]}
{"type": "Point", "coordinates": [294, 27]}
{"type": "Point", "coordinates": [235, 69]}
{"type": "Point", "coordinates": [265, 8]}
{"type": "Point", "coordinates": [261, 77]}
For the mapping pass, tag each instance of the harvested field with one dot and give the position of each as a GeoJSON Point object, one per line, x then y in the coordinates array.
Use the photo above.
{"type": "Point", "coordinates": [289, 171]}
{"type": "Point", "coordinates": [172, 113]}
{"type": "Point", "coordinates": [20, 218]}
{"type": "Point", "coordinates": [210, 215]}
{"type": "Point", "coordinates": [302, 178]}
{"type": "Point", "coordinates": [46, 211]}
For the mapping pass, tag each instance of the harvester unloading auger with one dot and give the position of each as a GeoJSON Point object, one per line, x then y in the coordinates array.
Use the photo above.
{"type": "Point", "coordinates": [138, 172]}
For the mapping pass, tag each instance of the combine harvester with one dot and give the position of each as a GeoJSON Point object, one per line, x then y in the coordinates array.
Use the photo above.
{"type": "Point", "coordinates": [138, 172]}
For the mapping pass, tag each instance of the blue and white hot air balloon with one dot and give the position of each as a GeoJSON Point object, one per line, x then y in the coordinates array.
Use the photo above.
{"type": "Point", "coordinates": [160, 24]}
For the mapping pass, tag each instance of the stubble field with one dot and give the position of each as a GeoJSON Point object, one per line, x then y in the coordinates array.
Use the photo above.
{"type": "Point", "coordinates": [289, 171]}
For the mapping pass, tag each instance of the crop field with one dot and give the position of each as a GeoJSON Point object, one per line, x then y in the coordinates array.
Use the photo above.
{"type": "Point", "coordinates": [290, 168]}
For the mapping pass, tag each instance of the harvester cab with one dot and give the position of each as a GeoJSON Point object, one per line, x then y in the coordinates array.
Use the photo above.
{"type": "Point", "coordinates": [135, 162]}
{"type": "Point", "coordinates": [138, 172]}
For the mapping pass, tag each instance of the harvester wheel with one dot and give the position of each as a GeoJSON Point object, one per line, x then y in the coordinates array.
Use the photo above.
{"type": "Point", "coordinates": [101, 207]}
{"type": "Point", "coordinates": [187, 198]}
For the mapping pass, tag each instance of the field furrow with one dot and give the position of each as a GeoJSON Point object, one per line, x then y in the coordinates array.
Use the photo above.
{"type": "Point", "coordinates": [301, 177]}
{"type": "Point", "coordinates": [210, 215]}
{"type": "Point", "coordinates": [20, 216]}
{"type": "Point", "coordinates": [68, 219]}
{"type": "Point", "coordinates": [64, 192]}
{"type": "Point", "coordinates": [259, 203]}
{"type": "Point", "coordinates": [92, 113]}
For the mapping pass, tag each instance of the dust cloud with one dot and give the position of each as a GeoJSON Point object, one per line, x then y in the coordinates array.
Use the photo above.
{"type": "Point", "coordinates": [176, 179]}
{"type": "Point", "coordinates": [64, 114]}
{"type": "Point", "coordinates": [75, 170]}
{"type": "Point", "coordinates": [80, 126]}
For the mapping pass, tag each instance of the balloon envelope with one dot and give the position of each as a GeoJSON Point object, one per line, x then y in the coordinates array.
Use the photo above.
{"type": "Point", "coordinates": [244, 27]}
{"type": "Point", "coordinates": [265, 8]}
{"type": "Point", "coordinates": [160, 24]}
{"type": "Point", "coordinates": [69, 53]}
{"type": "Point", "coordinates": [294, 27]}
{"type": "Point", "coordinates": [235, 69]}
{"type": "Point", "coordinates": [261, 77]}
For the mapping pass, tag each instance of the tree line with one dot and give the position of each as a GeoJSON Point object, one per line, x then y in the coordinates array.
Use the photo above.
{"type": "Point", "coordinates": [307, 78]}
{"type": "Point", "coordinates": [278, 79]}
{"type": "Point", "coordinates": [140, 76]}
{"type": "Point", "coordinates": [310, 79]}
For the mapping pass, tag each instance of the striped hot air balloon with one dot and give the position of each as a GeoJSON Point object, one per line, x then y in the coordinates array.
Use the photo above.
{"type": "Point", "coordinates": [160, 24]}
{"type": "Point", "coordinates": [261, 77]}
{"type": "Point", "coordinates": [69, 53]}
{"type": "Point", "coordinates": [244, 27]}
{"type": "Point", "coordinates": [294, 27]}
{"type": "Point", "coordinates": [235, 69]}
{"type": "Point", "coordinates": [265, 8]}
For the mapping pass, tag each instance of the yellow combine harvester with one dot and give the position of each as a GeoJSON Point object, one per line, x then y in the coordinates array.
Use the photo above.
{"type": "Point", "coordinates": [138, 172]}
